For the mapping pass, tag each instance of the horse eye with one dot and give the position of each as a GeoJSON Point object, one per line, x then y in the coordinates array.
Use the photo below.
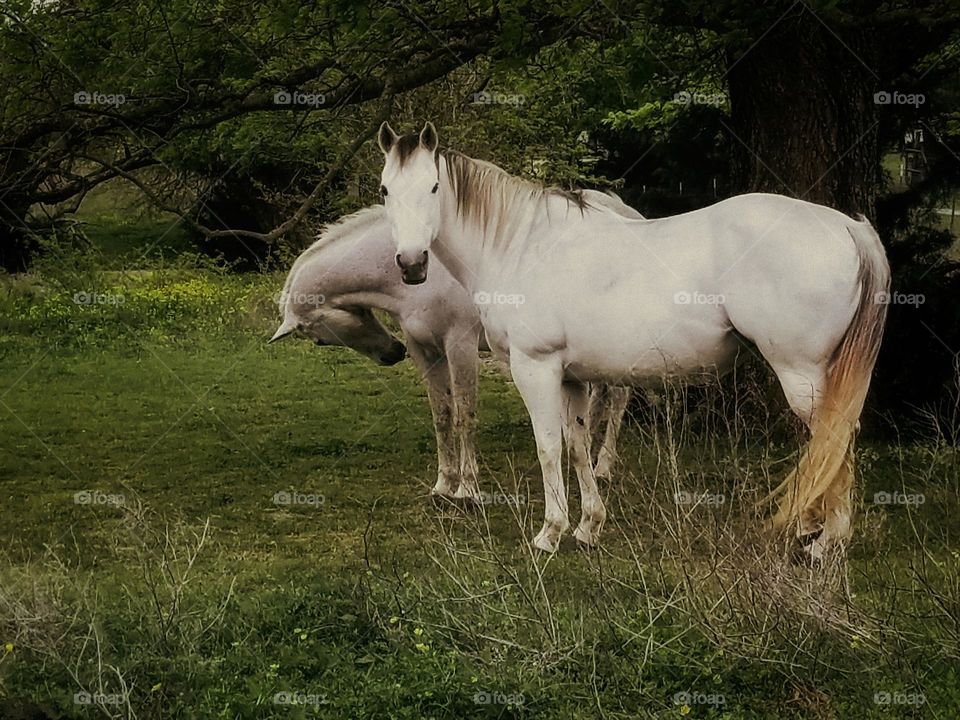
{"type": "Point", "coordinates": [383, 190]}
{"type": "Point", "coordinates": [435, 188]}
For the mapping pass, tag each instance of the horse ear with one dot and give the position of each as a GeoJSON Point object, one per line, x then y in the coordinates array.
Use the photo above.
{"type": "Point", "coordinates": [386, 137]}
{"type": "Point", "coordinates": [428, 137]}
{"type": "Point", "coordinates": [285, 329]}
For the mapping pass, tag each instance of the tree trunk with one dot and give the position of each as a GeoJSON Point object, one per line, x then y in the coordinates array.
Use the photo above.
{"type": "Point", "coordinates": [17, 246]}
{"type": "Point", "coordinates": [803, 114]}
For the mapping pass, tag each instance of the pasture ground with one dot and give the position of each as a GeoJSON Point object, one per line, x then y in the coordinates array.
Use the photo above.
{"type": "Point", "coordinates": [201, 597]}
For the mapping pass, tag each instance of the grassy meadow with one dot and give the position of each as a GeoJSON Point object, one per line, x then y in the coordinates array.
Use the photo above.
{"type": "Point", "coordinates": [149, 568]}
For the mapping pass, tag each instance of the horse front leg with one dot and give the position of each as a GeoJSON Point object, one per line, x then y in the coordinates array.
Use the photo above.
{"type": "Point", "coordinates": [464, 366]}
{"type": "Point", "coordinates": [539, 382]}
{"type": "Point", "coordinates": [434, 369]}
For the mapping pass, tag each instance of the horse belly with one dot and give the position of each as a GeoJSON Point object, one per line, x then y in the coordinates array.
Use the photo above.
{"type": "Point", "coordinates": [645, 356]}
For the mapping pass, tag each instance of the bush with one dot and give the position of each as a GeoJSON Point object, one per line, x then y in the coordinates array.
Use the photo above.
{"type": "Point", "coordinates": [90, 309]}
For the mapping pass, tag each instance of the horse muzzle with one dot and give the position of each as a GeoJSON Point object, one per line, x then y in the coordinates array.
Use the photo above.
{"type": "Point", "coordinates": [413, 272]}
{"type": "Point", "coordinates": [396, 353]}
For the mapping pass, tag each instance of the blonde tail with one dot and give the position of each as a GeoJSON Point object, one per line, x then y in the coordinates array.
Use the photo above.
{"type": "Point", "coordinates": [816, 495]}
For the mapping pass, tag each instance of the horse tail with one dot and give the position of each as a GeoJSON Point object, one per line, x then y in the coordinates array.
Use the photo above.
{"type": "Point", "coordinates": [817, 493]}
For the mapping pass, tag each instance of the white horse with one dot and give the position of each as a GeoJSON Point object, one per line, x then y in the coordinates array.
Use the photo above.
{"type": "Point", "coordinates": [621, 301]}
{"type": "Point", "coordinates": [328, 296]}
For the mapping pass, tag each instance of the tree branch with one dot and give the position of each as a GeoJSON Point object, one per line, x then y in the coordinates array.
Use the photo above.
{"type": "Point", "coordinates": [290, 223]}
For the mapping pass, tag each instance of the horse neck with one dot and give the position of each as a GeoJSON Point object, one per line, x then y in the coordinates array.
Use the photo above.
{"type": "Point", "coordinates": [360, 270]}
{"type": "Point", "coordinates": [459, 245]}
{"type": "Point", "coordinates": [466, 248]}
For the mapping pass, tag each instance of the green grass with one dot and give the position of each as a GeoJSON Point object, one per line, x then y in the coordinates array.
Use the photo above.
{"type": "Point", "coordinates": [123, 232]}
{"type": "Point", "coordinates": [202, 598]}
{"type": "Point", "coordinates": [113, 238]}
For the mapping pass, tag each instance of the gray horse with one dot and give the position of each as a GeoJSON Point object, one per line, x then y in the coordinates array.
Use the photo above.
{"type": "Point", "coordinates": [329, 297]}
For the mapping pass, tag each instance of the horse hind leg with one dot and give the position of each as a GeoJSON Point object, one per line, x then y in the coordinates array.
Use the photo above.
{"type": "Point", "coordinates": [576, 428]}
{"type": "Point", "coordinates": [819, 490]}
{"type": "Point", "coordinates": [803, 388]}
{"type": "Point", "coordinates": [617, 400]}
{"type": "Point", "coordinates": [823, 514]}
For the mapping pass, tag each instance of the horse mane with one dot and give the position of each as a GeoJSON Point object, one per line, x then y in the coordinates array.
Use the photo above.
{"type": "Point", "coordinates": [347, 225]}
{"type": "Point", "coordinates": [491, 197]}
{"type": "Point", "coordinates": [329, 235]}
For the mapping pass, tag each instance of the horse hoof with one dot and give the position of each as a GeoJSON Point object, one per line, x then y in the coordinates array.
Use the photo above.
{"type": "Point", "coordinates": [808, 550]}
{"type": "Point", "coordinates": [442, 501]}
{"type": "Point", "coordinates": [469, 503]}
{"type": "Point", "coordinates": [583, 546]}
{"type": "Point", "coordinates": [585, 538]}
{"type": "Point", "coordinates": [545, 543]}
{"type": "Point", "coordinates": [603, 469]}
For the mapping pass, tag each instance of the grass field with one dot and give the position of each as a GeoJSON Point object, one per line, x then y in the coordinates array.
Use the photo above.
{"type": "Point", "coordinates": [147, 569]}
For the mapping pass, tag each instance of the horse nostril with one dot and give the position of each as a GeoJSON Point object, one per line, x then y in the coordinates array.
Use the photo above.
{"type": "Point", "coordinates": [399, 261]}
{"type": "Point", "coordinates": [424, 256]}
